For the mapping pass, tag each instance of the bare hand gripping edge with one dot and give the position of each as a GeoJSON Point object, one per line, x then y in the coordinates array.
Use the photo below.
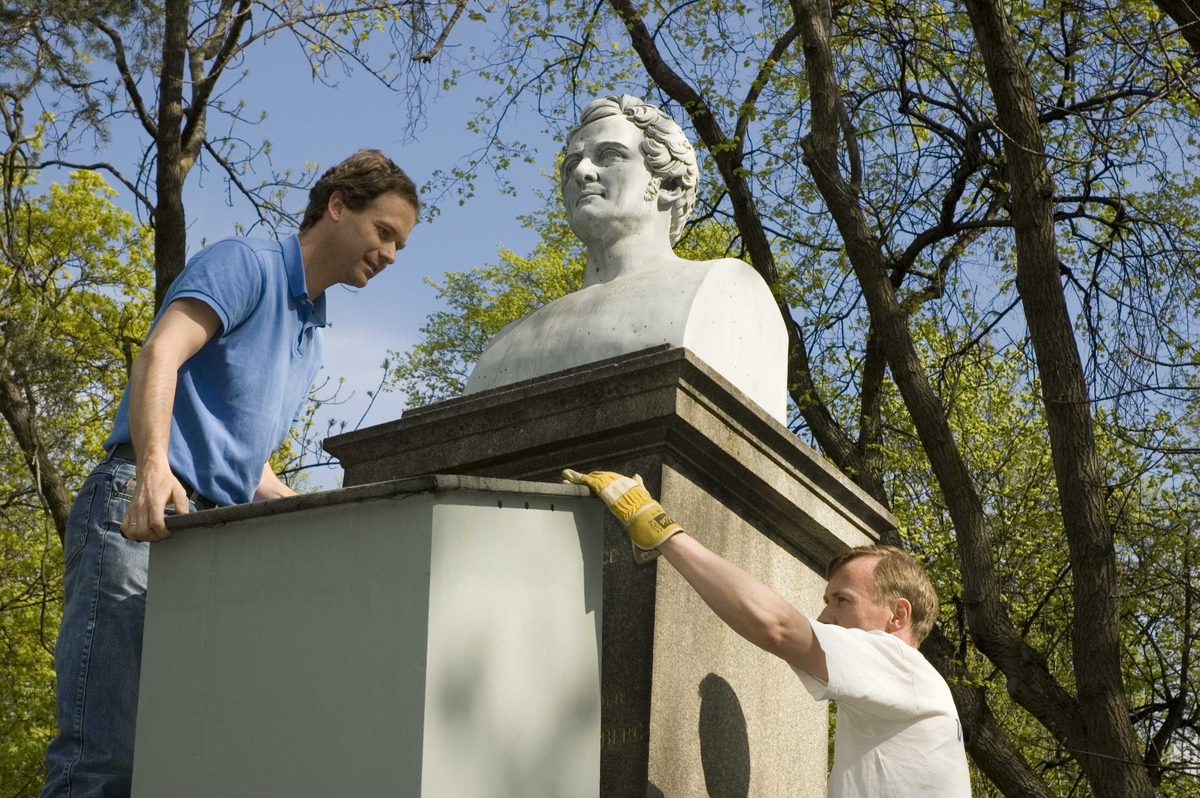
{"type": "Point", "coordinates": [861, 651]}
{"type": "Point", "coordinates": [186, 325]}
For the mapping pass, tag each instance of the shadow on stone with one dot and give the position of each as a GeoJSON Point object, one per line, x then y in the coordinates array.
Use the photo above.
{"type": "Point", "coordinates": [724, 746]}
{"type": "Point", "coordinates": [652, 791]}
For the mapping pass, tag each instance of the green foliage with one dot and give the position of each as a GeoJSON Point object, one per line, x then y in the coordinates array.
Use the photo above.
{"type": "Point", "coordinates": [76, 298]}
{"type": "Point", "coordinates": [995, 408]}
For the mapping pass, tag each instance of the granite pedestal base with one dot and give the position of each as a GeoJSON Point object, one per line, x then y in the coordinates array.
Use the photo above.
{"type": "Point", "coordinates": [688, 708]}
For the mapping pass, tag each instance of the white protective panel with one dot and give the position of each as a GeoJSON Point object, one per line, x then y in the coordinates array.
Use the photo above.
{"type": "Point", "coordinates": [285, 655]}
{"type": "Point", "coordinates": [513, 696]}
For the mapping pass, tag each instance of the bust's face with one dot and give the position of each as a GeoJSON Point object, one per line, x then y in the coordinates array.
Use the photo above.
{"type": "Point", "coordinates": [606, 179]}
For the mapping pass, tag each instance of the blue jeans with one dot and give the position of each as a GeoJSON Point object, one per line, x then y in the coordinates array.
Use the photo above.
{"type": "Point", "coordinates": [98, 656]}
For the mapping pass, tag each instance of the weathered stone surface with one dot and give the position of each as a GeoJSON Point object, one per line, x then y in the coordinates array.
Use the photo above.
{"type": "Point", "coordinates": [726, 717]}
{"type": "Point", "coordinates": [687, 707]}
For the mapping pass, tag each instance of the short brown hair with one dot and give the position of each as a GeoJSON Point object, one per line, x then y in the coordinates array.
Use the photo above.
{"type": "Point", "coordinates": [897, 575]}
{"type": "Point", "coordinates": [364, 176]}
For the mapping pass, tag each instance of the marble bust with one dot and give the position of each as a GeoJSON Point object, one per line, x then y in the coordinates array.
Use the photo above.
{"type": "Point", "coordinates": [628, 181]}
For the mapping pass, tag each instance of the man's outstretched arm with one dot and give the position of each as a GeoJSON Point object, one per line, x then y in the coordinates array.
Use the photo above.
{"type": "Point", "coordinates": [750, 608]}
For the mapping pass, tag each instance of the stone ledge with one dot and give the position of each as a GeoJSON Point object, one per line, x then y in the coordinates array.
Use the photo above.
{"type": "Point", "coordinates": [661, 399]}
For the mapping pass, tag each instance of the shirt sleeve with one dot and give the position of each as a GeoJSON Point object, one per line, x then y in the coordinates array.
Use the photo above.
{"type": "Point", "coordinates": [869, 671]}
{"type": "Point", "coordinates": [228, 277]}
{"type": "Point", "coordinates": [299, 414]}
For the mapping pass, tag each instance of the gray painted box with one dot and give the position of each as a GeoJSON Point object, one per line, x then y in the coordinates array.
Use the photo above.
{"type": "Point", "coordinates": [437, 636]}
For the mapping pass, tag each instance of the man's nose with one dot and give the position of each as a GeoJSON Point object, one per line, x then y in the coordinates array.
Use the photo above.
{"type": "Point", "coordinates": [389, 252]}
{"type": "Point", "coordinates": [585, 172]}
{"type": "Point", "coordinates": [825, 617]}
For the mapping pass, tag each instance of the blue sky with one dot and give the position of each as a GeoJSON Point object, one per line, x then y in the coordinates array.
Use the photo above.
{"type": "Point", "coordinates": [308, 121]}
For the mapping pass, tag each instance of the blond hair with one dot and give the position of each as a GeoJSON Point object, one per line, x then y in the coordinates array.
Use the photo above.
{"type": "Point", "coordinates": [897, 575]}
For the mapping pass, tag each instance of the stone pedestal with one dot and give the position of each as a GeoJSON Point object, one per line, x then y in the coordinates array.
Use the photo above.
{"type": "Point", "coordinates": [687, 707]}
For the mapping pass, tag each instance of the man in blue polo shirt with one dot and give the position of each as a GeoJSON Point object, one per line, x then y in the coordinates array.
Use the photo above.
{"type": "Point", "coordinates": [212, 394]}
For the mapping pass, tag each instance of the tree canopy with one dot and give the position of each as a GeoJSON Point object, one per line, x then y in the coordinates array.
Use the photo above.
{"type": "Point", "coordinates": [77, 292]}
{"type": "Point", "coordinates": [980, 223]}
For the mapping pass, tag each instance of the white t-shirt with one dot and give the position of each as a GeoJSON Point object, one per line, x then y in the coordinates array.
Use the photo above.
{"type": "Point", "coordinates": [897, 733]}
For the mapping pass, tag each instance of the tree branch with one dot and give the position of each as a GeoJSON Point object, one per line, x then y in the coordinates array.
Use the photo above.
{"type": "Point", "coordinates": [1108, 744]}
{"type": "Point", "coordinates": [760, 82]}
{"type": "Point", "coordinates": [830, 436]}
{"type": "Point", "coordinates": [261, 209]}
{"type": "Point", "coordinates": [983, 736]}
{"type": "Point", "coordinates": [106, 167]}
{"type": "Point", "coordinates": [20, 417]}
{"type": "Point", "coordinates": [202, 90]}
{"type": "Point", "coordinates": [428, 55]}
{"type": "Point", "coordinates": [870, 418]}
{"type": "Point", "coordinates": [1178, 703]}
{"type": "Point", "coordinates": [127, 78]}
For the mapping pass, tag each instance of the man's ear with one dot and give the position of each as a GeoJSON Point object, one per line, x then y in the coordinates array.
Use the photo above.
{"type": "Point", "coordinates": [669, 192]}
{"type": "Point", "coordinates": [901, 615]}
{"type": "Point", "coordinates": [336, 207]}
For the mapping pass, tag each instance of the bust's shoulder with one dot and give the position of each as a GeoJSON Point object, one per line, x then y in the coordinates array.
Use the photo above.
{"type": "Point", "coordinates": [734, 275]}
{"type": "Point", "coordinates": [730, 263]}
{"type": "Point", "coordinates": [726, 268]}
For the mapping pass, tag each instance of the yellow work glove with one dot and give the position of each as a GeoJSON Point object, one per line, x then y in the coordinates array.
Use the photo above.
{"type": "Point", "coordinates": [644, 519]}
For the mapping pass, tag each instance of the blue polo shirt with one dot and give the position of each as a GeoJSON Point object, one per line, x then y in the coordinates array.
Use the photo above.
{"type": "Point", "coordinates": [239, 396]}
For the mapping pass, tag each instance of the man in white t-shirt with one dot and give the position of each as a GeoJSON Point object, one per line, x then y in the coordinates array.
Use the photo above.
{"type": "Point", "coordinates": [898, 732]}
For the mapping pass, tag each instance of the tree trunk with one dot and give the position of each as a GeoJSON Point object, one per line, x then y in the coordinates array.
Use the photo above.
{"type": "Point", "coordinates": [1110, 758]}
{"type": "Point", "coordinates": [170, 221]}
{"type": "Point", "coordinates": [1186, 14]}
{"type": "Point", "coordinates": [20, 418]}
{"type": "Point", "coordinates": [985, 739]}
{"type": "Point", "coordinates": [1028, 678]}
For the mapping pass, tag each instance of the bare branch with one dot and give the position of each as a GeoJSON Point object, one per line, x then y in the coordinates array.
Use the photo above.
{"type": "Point", "coordinates": [21, 420]}
{"type": "Point", "coordinates": [428, 55]}
{"type": "Point", "coordinates": [765, 69]}
{"type": "Point", "coordinates": [135, 97]}
{"type": "Point", "coordinates": [202, 91]}
{"type": "Point", "coordinates": [104, 167]}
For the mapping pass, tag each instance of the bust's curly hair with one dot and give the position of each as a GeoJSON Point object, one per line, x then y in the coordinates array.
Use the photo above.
{"type": "Point", "coordinates": [665, 149]}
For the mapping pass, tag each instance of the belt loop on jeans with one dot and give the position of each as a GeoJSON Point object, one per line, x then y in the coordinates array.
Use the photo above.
{"type": "Point", "coordinates": [125, 451]}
